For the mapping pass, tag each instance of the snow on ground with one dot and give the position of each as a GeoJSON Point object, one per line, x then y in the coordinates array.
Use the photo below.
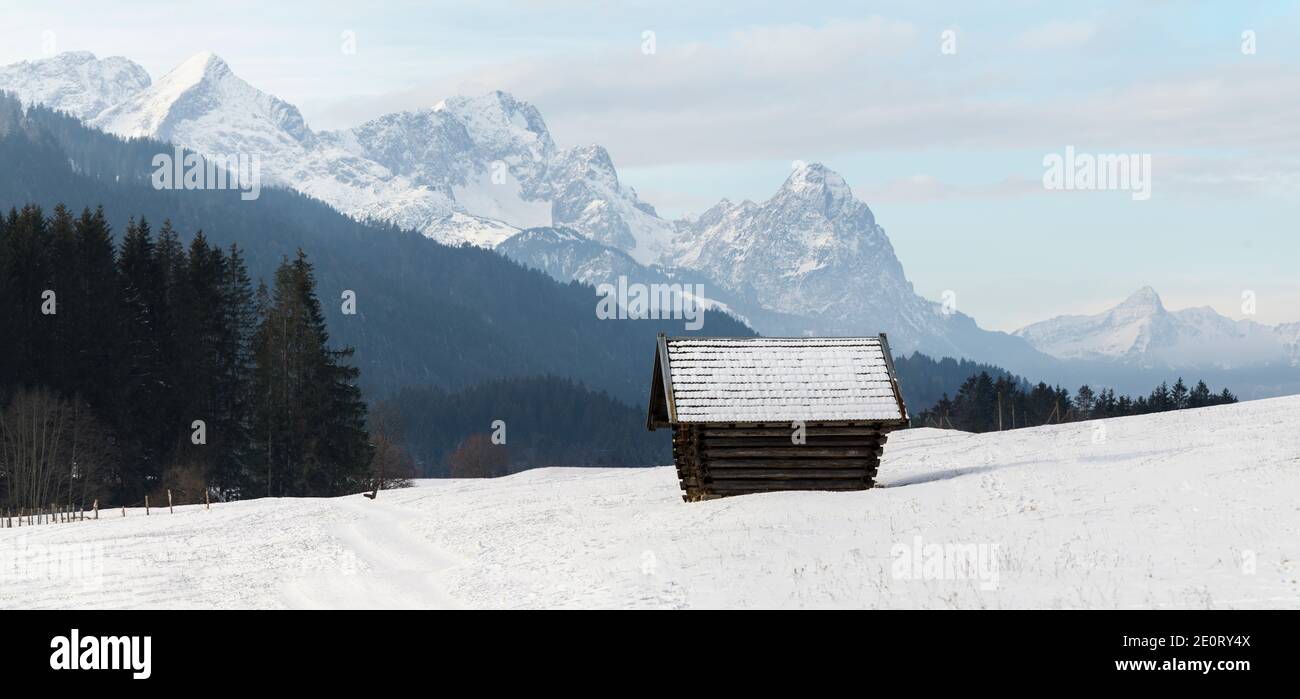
{"type": "Point", "coordinates": [1192, 509]}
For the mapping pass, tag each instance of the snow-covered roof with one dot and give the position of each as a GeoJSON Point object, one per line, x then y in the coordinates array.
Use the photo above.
{"type": "Point", "coordinates": [779, 380]}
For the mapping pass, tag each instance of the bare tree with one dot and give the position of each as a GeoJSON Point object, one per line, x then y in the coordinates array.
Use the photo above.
{"type": "Point", "coordinates": [51, 450]}
{"type": "Point", "coordinates": [391, 466]}
{"type": "Point", "coordinates": [478, 457]}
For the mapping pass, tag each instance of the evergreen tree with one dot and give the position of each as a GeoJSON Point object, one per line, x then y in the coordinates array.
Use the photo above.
{"type": "Point", "coordinates": [1085, 401]}
{"type": "Point", "coordinates": [59, 361]}
{"type": "Point", "coordinates": [25, 275]}
{"type": "Point", "coordinates": [234, 391]}
{"type": "Point", "coordinates": [1178, 395]}
{"type": "Point", "coordinates": [311, 429]}
{"type": "Point", "coordinates": [95, 306]}
{"type": "Point", "coordinates": [1200, 396]}
{"type": "Point", "coordinates": [143, 382]}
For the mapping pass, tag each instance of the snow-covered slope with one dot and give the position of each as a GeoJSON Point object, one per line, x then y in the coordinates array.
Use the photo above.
{"type": "Point", "coordinates": [75, 82]}
{"type": "Point", "coordinates": [1186, 509]}
{"type": "Point", "coordinates": [1141, 331]}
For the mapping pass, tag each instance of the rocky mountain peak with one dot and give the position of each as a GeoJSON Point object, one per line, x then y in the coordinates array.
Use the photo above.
{"type": "Point", "coordinates": [75, 82]}
{"type": "Point", "coordinates": [1143, 300]}
{"type": "Point", "coordinates": [819, 186]}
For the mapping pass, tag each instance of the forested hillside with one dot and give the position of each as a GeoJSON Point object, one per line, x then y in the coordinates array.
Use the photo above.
{"type": "Point", "coordinates": [543, 421]}
{"type": "Point", "coordinates": [156, 367]}
{"type": "Point", "coordinates": [426, 314]}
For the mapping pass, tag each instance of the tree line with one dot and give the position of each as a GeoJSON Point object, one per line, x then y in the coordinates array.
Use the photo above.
{"type": "Point", "coordinates": [130, 368]}
{"type": "Point", "coordinates": [925, 380]}
{"type": "Point", "coordinates": [986, 403]}
{"type": "Point", "coordinates": [538, 421]}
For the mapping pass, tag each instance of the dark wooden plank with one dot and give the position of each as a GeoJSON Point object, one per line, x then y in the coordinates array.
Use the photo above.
{"type": "Point", "coordinates": [722, 474]}
{"type": "Point", "coordinates": [847, 441]}
{"type": "Point", "coordinates": [793, 463]}
{"type": "Point", "coordinates": [805, 452]}
{"type": "Point", "coordinates": [759, 486]}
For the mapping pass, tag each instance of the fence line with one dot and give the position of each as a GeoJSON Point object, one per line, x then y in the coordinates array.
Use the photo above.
{"type": "Point", "coordinates": [63, 514]}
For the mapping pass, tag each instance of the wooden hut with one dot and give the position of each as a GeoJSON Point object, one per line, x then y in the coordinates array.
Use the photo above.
{"type": "Point", "coordinates": [762, 414]}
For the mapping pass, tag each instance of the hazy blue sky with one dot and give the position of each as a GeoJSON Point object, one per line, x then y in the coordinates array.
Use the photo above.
{"type": "Point", "coordinates": [947, 149]}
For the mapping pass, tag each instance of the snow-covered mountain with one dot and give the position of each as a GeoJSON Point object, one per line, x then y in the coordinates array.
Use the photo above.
{"type": "Point", "coordinates": [814, 253]}
{"type": "Point", "coordinates": [811, 260]}
{"type": "Point", "coordinates": [74, 82]}
{"type": "Point", "coordinates": [485, 171]}
{"type": "Point", "coordinates": [1141, 331]}
{"type": "Point", "coordinates": [467, 170]}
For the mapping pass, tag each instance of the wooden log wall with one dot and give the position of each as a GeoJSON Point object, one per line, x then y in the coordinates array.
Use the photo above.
{"type": "Point", "coordinates": [720, 460]}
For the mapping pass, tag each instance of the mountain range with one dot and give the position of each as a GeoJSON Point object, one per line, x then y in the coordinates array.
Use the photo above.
{"type": "Point", "coordinates": [485, 171]}
{"type": "Point", "coordinates": [1141, 331]}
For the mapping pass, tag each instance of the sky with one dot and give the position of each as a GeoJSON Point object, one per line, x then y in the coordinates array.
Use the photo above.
{"type": "Point", "coordinates": [941, 116]}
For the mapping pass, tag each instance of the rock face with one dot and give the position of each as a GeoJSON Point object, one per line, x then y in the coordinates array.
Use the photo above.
{"type": "Point", "coordinates": [1142, 332]}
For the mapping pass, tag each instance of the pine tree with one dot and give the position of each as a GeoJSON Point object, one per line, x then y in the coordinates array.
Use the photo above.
{"type": "Point", "coordinates": [1178, 395]}
{"type": "Point", "coordinates": [142, 391]}
{"type": "Point", "coordinates": [234, 391]}
{"type": "Point", "coordinates": [95, 307]}
{"type": "Point", "coordinates": [1200, 396]}
{"type": "Point", "coordinates": [311, 429]}
{"type": "Point", "coordinates": [1085, 401]}
{"type": "Point", "coordinates": [59, 365]}
{"type": "Point", "coordinates": [25, 274]}
{"type": "Point", "coordinates": [196, 306]}
{"type": "Point", "coordinates": [1160, 399]}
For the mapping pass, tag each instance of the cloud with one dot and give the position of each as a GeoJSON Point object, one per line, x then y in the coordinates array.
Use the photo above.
{"type": "Point", "coordinates": [926, 188]}
{"type": "Point", "coordinates": [1058, 35]}
{"type": "Point", "coordinates": [869, 85]}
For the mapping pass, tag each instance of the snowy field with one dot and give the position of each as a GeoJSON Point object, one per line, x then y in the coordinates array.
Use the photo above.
{"type": "Point", "coordinates": [1192, 509]}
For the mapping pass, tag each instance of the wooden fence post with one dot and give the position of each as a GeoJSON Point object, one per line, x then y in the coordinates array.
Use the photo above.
{"type": "Point", "coordinates": [170, 511]}
{"type": "Point", "coordinates": [96, 506]}
{"type": "Point", "coordinates": [206, 505]}
{"type": "Point", "coordinates": [146, 506]}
